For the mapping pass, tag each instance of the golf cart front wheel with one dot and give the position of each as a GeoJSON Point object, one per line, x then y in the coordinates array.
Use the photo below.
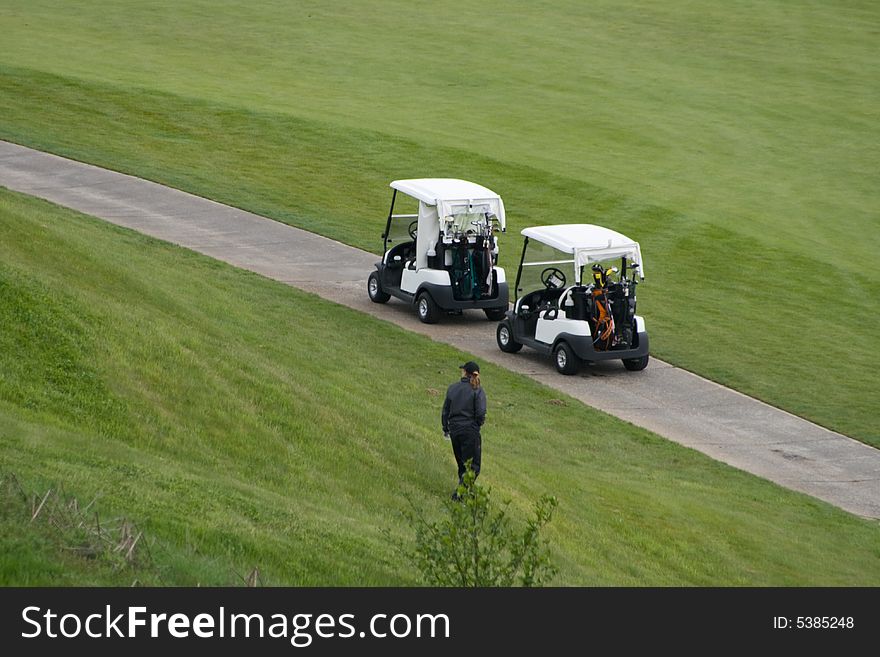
{"type": "Point", "coordinates": [636, 364]}
{"type": "Point", "coordinates": [504, 336]}
{"type": "Point", "coordinates": [374, 289]}
{"type": "Point", "coordinates": [428, 311]}
{"type": "Point", "coordinates": [495, 314]}
{"type": "Point", "coordinates": [567, 362]}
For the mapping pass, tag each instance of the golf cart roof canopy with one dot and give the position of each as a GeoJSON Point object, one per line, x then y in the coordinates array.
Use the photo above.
{"type": "Point", "coordinates": [452, 195]}
{"type": "Point", "coordinates": [588, 243]}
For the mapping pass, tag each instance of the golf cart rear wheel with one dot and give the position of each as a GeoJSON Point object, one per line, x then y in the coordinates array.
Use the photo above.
{"type": "Point", "coordinates": [636, 364]}
{"type": "Point", "coordinates": [567, 362]}
{"type": "Point", "coordinates": [495, 314]}
{"type": "Point", "coordinates": [374, 289]}
{"type": "Point", "coordinates": [428, 311]}
{"type": "Point", "coordinates": [504, 336]}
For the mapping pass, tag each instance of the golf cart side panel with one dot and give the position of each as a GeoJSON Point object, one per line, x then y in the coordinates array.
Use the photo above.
{"type": "Point", "coordinates": [548, 329]}
{"type": "Point", "coordinates": [640, 324]}
{"type": "Point", "coordinates": [443, 297]}
{"type": "Point", "coordinates": [413, 279]}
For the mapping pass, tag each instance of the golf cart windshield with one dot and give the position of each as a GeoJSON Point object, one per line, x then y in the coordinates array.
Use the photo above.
{"type": "Point", "coordinates": [403, 222]}
{"type": "Point", "coordinates": [540, 258]}
{"type": "Point", "coordinates": [399, 228]}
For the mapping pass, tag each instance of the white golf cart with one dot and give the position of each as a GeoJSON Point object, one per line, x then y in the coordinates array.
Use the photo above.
{"type": "Point", "coordinates": [442, 257]}
{"type": "Point", "coordinates": [574, 319]}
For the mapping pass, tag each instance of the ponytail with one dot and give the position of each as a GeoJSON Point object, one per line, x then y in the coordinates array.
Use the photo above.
{"type": "Point", "coordinates": [475, 380]}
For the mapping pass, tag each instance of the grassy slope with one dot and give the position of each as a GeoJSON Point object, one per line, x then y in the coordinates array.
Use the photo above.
{"type": "Point", "coordinates": [737, 143]}
{"type": "Point", "coordinates": [750, 315]}
{"type": "Point", "coordinates": [210, 406]}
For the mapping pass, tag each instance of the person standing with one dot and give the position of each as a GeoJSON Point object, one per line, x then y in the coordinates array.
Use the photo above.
{"type": "Point", "coordinates": [464, 412]}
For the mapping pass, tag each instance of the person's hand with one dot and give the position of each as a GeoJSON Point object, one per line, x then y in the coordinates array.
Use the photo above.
{"type": "Point", "coordinates": [446, 435]}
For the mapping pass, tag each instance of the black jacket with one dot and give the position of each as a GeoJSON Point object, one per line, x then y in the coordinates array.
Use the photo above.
{"type": "Point", "coordinates": [464, 408]}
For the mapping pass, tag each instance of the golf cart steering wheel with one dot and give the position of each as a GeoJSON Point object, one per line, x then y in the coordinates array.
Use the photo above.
{"type": "Point", "coordinates": [413, 230]}
{"type": "Point", "coordinates": [549, 274]}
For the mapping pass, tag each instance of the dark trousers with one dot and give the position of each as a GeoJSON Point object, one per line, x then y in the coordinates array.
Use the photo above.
{"type": "Point", "coordinates": [467, 445]}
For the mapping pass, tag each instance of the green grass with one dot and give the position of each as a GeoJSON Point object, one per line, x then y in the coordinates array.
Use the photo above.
{"type": "Point", "coordinates": [211, 407]}
{"type": "Point", "coordinates": [50, 538]}
{"type": "Point", "coordinates": [760, 318]}
{"type": "Point", "coordinates": [737, 143]}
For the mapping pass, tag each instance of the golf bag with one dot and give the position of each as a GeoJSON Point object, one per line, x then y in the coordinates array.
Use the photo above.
{"type": "Point", "coordinates": [613, 310]}
{"type": "Point", "coordinates": [472, 266]}
{"type": "Point", "coordinates": [462, 274]}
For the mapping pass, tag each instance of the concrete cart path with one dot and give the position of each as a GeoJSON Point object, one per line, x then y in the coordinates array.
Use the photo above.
{"type": "Point", "coordinates": [676, 404]}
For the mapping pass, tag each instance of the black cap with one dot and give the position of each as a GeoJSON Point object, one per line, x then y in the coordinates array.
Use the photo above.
{"type": "Point", "coordinates": [470, 367]}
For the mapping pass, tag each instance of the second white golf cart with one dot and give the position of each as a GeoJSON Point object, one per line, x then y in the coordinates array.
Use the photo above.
{"type": "Point", "coordinates": [442, 257]}
{"type": "Point", "coordinates": [574, 319]}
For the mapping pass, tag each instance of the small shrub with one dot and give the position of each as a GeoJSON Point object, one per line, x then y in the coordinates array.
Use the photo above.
{"type": "Point", "coordinates": [474, 545]}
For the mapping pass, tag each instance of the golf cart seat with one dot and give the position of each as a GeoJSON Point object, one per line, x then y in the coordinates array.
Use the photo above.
{"type": "Point", "coordinates": [540, 303]}
{"type": "Point", "coordinates": [400, 255]}
{"type": "Point", "coordinates": [541, 298]}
